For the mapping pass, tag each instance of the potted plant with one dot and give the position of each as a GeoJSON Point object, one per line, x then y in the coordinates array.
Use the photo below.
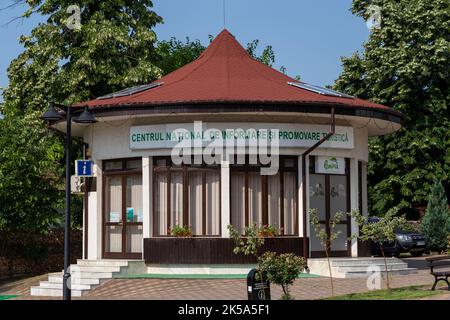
{"type": "Point", "coordinates": [267, 231]}
{"type": "Point", "coordinates": [180, 231]}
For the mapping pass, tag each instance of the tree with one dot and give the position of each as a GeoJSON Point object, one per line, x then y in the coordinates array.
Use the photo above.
{"type": "Point", "coordinates": [405, 65]}
{"type": "Point", "coordinates": [436, 222]}
{"type": "Point", "coordinates": [30, 187]}
{"type": "Point", "coordinates": [173, 54]}
{"type": "Point", "coordinates": [380, 231]}
{"type": "Point", "coordinates": [324, 237]}
{"type": "Point", "coordinates": [113, 48]}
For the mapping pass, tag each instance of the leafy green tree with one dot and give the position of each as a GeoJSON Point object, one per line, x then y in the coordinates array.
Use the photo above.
{"type": "Point", "coordinates": [114, 47]}
{"type": "Point", "coordinates": [29, 175]}
{"type": "Point", "coordinates": [436, 222]}
{"type": "Point", "coordinates": [405, 65]}
{"type": "Point", "coordinates": [173, 54]}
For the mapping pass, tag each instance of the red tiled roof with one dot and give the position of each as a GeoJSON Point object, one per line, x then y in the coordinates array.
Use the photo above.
{"type": "Point", "coordinates": [226, 73]}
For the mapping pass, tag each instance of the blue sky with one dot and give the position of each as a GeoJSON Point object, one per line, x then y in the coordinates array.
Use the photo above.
{"type": "Point", "coordinates": [308, 36]}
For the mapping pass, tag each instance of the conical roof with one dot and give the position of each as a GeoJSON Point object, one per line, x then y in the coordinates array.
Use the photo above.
{"type": "Point", "coordinates": [226, 74]}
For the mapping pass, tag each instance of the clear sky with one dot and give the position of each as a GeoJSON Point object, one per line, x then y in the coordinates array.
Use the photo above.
{"type": "Point", "coordinates": [308, 36]}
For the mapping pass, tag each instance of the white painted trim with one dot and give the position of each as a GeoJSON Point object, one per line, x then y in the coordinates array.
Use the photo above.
{"type": "Point", "coordinates": [354, 203]}
{"type": "Point", "coordinates": [146, 195]}
{"type": "Point", "coordinates": [364, 188]}
{"type": "Point", "coordinates": [225, 197]}
{"type": "Point", "coordinates": [95, 217]}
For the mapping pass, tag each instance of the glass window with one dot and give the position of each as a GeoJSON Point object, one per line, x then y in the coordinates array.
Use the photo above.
{"type": "Point", "coordinates": [134, 199]}
{"type": "Point", "coordinates": [190, 194]}
{"type": "Point", "coordinates": [238, 200]}
{"type": "Point", "coordinates": [134, 164]}
{"type": "Point", "coordinates": [113, 165]}
{"type": "Point", "coordinates": [113, 199]}
{"type": "Point", "coordinates": [265, 200]}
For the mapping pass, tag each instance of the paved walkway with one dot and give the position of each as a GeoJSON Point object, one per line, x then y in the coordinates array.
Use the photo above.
{"type": "Point", "coordinates": [223, 289]}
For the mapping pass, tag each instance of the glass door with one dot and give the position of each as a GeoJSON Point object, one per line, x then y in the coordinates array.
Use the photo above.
{"type": "Point", "coordinates": [329, 194]}
{"type": "Point", "coordinates": [122, 236]}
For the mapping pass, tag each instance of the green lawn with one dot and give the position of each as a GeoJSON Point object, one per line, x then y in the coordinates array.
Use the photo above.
{"type": "Point", "coordinates": [405, 293]}
{"type": "Point", "coordinates": [6, 297]}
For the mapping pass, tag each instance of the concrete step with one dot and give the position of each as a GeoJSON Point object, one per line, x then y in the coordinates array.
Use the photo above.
{"type": "Point", "coordinates": [93, 269]}
{"type": "Point", "coordinates": [391, 267]}
{"type": "Point", "coordinates": [102, 263]}
{"type": "Point", "coordinates": [364, 261]}
{"type": "Point", "coordinates": [49, 292]}
{"type": "Point", "coordinates": [53, 285]}
{"type": "Point", "coordinates": [92, 275]}
{"type": "Point", "coordinates": [394, 272]}
{"type": "Point", "coordinates": [74, 280]}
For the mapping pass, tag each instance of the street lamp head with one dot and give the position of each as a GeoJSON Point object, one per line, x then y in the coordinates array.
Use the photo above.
{"type": "Point", "coordinates": [85, 117]}
{"type": "Point", "coordinates": [51, 114]}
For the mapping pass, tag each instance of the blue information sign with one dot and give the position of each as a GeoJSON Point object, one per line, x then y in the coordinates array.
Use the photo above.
{"type": "Point", "coordinates": [83, 168]}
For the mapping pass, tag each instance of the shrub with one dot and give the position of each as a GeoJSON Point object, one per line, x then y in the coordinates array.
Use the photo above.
{"type": "Point", "coordinates": [436, 222]}
{"type": "Point", "coordinates": [281, 269]}
{"type": "Point", "coordinates": [251, 244]}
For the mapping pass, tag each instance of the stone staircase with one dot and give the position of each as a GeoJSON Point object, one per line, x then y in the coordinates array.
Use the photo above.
{"type": "Point", "coordinates": [86, 275]}
{"type": "Point", "coordinates": [357, 267]}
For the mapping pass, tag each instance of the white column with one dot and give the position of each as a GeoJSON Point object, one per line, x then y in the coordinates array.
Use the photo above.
{"type": "Point", "coordinates": [354, 205]}
{"type": "Point", "coordinates": [147, 169]}
{"type": "Point", "coordinates": [364, 188]}
{"type": "Point", "coordinates": [300, 199]}
{"type": "Point", "coordinates": [95, 216]}
{"type": "Point", "coordinates": [225, 197]}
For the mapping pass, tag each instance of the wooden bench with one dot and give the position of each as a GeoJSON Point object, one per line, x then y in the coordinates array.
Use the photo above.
{"type": "Point", "coordinates": [440, 269]}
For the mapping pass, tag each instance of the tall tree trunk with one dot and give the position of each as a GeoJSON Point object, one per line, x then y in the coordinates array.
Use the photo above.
{"type": "Point", "coordinates": [329, 268]}
{"type": "Point", "coordinates": [388, 285]}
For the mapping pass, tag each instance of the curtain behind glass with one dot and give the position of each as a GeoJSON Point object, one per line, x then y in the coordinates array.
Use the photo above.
{"type": "Point", "coordinates": [195, 202]}
{"type": "Point", "coordinates": [273, 197]}
{"type": "Point", "coordinates": [238, 201]}
{"type": "Point", "coordinates": [161, 203]}
{"type": "Point", "coordinates": [290, 190]}
{"type": "Point", "coordinates": [176, 199]}
{"type": "Point", "coordinates": [213, 203]}
{"type": "Point", "coordinates": [254, 198]}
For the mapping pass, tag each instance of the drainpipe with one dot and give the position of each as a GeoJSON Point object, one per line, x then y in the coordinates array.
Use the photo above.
{"type": "Point", "coordinates": [304, 193]}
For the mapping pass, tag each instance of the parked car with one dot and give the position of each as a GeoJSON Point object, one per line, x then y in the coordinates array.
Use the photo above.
{"type": "Point", "coordinates": [412, 242]}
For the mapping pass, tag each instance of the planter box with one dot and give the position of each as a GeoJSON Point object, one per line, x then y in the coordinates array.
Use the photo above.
{"type": "Point", "coordinates": [210, 250]}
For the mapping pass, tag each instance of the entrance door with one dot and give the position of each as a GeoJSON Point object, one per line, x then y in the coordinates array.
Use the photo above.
{"type": "Point", "coordinates": [122, 236]}
{"type": "Point", "coordinates": [329, 194]}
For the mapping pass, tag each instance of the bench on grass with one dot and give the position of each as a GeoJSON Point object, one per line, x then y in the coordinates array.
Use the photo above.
{"type": "Point", "coordinates": [440, 269]}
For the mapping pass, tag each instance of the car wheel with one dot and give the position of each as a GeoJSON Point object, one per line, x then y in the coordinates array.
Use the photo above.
{"type": "Point", "coordinates": [417, 253]}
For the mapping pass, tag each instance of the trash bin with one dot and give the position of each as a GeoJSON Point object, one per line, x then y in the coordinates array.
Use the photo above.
{"type": "Point", "coordinates": [257, 289]}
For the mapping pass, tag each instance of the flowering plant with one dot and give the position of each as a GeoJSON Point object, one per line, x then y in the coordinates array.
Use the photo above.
{"type": "Point", "coordinates": [267, 231]}
{"type": "Point", "coordinates": [180, 231]}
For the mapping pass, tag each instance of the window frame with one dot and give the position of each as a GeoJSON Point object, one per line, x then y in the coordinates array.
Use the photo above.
{"type": "Point", "coordinates": [246, 169]}
{"type": "Point", "coordinates": [123, 173]}
{"type": "Point", "coordinates": [186, 169]}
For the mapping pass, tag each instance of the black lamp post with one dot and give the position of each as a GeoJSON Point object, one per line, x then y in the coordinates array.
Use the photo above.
{"type": "Point", "coordinates": [52, 115]}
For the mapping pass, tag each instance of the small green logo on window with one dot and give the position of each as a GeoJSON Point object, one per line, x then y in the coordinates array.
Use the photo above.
{"type": "Point", "coordinates": [331, 164]}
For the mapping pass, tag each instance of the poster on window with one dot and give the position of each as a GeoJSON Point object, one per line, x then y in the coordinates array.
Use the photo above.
{"type": "Point", "coordinates": [114, 216]}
